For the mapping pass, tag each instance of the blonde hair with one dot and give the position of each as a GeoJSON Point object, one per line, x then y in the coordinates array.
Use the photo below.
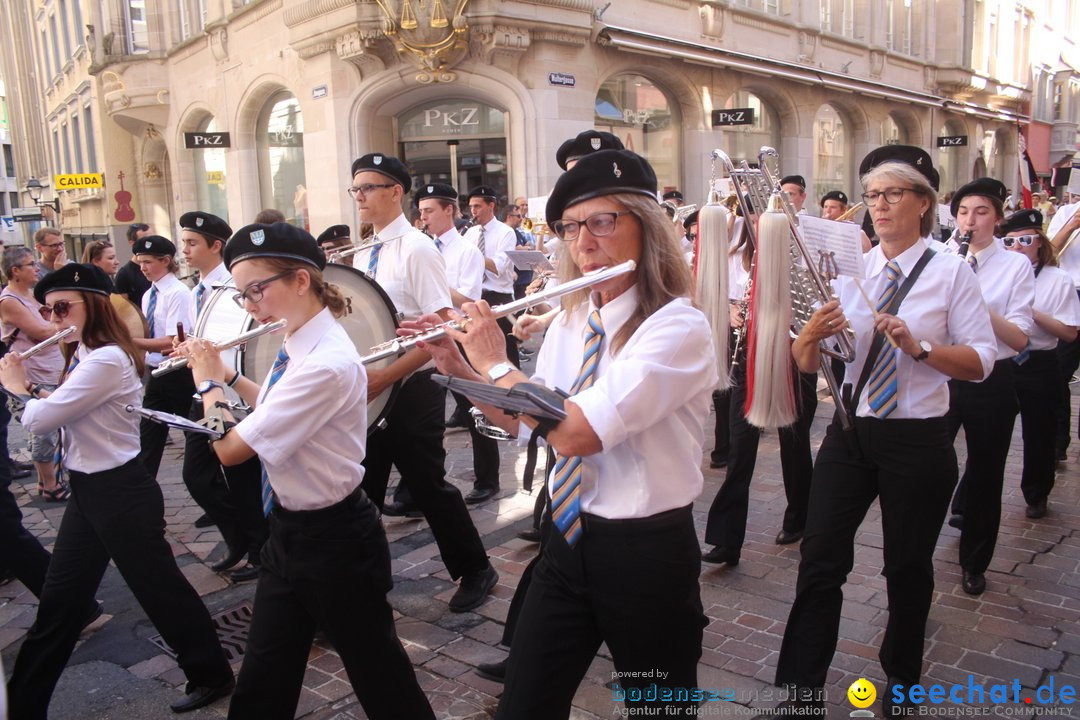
{"type": "Point", "coordinates": [908, 174]}
{"type": "Point", "coordinates": [328, 294]}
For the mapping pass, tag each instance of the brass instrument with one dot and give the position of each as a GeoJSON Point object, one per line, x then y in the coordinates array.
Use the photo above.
{"type": "Point", "coordinates": [177, 363]}
{"type": "Point", "coordinates": [850, 212]}
{"type": "Point", "coordinates": [536, 227]}
{"type": "Point", "coordinates": [46, 343]}
{"type": "Point", "coordinates": [679, 212]}
{"type": "Point", "coordinates": [402, 345]}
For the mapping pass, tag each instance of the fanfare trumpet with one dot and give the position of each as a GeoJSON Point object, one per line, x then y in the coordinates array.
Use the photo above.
{"type": "Point", "coordinates": [403, 344]}
{"type": "Point", "coordinates": [181, 362]}
{"type": "Point", "coordinates": [46, 343]}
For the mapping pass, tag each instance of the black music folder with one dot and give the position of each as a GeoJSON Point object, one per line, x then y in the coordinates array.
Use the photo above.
{"type": "Point", "coordinates": [525, 398]}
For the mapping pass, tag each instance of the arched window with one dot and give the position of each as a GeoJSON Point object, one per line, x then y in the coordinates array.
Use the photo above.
{"type": "Point", "coordinates": [210, 174]}
{"type": "Point", "coordinates": [279, 141]}
{"type": "Point", "coordinates": [892, 132]}
{"type": "Point", "coordinates": [832, 154]}
{"type": "Point", "coordinates": [742, 142]}
{"type": "Point", "coordinates": [640, 114]}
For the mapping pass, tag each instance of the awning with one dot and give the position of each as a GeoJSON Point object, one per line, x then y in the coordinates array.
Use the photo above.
{"type": "Point", "coordinates": [663, 46]}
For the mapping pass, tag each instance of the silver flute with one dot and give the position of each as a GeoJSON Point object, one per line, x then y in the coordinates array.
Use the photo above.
{"type": "Point", "coordinates": [402, 345]}
{"type": "Point", "coordinates": [354, 249]}
{"type": "Point", "coordinates": [46, 343]}
{"type": "Point", "coordinates": [178, 363]}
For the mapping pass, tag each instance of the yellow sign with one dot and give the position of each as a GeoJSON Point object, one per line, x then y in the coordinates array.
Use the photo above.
{"type": "Point", "coordinates": [76, 182]}
{"type": "Point", "coordinates": [215, 177]}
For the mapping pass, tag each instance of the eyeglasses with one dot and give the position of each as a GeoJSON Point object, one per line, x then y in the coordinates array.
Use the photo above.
{"type": "Point", "coordinates": [365, 189]}
{"type": "Point", "coordinates": [32, 263]}
{"type": "Point", "coordinates": [513, 214]}
{"type": "Point", "coordinates": [60, 307]}
{"type": "Point", "coordinates": [891, 195]}
{"type": "Point", "coordinates": [1022, 240]}
{"type": "Point", "coordinates": [254, 292]}
{"type": "Point", "coordinates": [52, 246]}
{"type": "Point", "coordinates": [599, 225]}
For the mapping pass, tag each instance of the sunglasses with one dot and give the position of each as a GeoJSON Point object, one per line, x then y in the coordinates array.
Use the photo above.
{"type": "Point", "coordinates": [60, 307]}
{"type": "Point", "coordinates": [1022, 240]}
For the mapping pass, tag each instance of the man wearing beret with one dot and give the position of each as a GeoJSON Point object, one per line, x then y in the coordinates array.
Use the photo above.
{"type": "Point", "coordinates": [674, 197]}
{"type": "Point", "coordinates": [129, 279]}
{"type": "Point", "coordinates": [584, 143]}
{"type": "Point", "coordinates": [409, 267]}
{"type": "Point", "coordinates": [833, 204]}
{"type": "Point", "coordinates": [229, 496]}
{"type": "Point", "coordinates": [165, 305]}
{"type": "Point", "coordinates": [795, 187]}
{"type": "Point", "coordinates": [336, 237]}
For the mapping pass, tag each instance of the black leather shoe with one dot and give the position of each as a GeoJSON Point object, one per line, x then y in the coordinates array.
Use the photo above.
{"type": "Point", "coordinates": [200, 696]}
{"type": "Point", "coordinates": [957, 521]}
{"type": "Point", "coordinates": [496, 671]}
{"type": "Point", "coordinates": [235, 555]}
{"type": "Point", "coordinates": [20, 465]}
{"type": "Point", "coordinates": [786, 538]}
{"type": "Point", "coordinates": [248, 572]}
{"type": "Point", "coordinates": [892, 709]}
{"type": "Point", "coordinates": [473, 590]}
{"type": "Point", "coordinates": [974, 583]}
{"type": "Point", "coordinates": [1036, 511]}
{"type": "Point", "coordinates": [530, 535]}
{"type": "Point", "coordinates": [398, 509]}
{"type": "Point", "coordinates": [717, 464]}
{"type": "Point", "coordinates": [95, 613]}
{"type": "Point", "coordinates": [19, 474]}
{"type": "Point", "coordinates": [457, 420]}
{"type": "Point", "coordinates": [205, 522]}
{"type": "Point", "coordinates": [721, 556]}
{"type": "Point", "coordinates": [479, 495]}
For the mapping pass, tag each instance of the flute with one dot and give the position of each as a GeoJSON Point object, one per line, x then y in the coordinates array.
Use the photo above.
{"type": "Point", "coordinates": [46, 343]}
{"type": "Point", "coordinates": [402, 345]}
{"type": "Point", "coordinates": [354, 249]}
{"type": "Point", "coordinates": [178, 363]}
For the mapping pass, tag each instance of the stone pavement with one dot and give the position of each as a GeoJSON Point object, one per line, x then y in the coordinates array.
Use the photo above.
{"type": "Point", "coordinates": [1026, 627]}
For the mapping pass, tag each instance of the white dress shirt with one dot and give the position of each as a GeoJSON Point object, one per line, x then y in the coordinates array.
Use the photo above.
{"type": "Point", "coordinates": [499, 238]}
{"type": "Point", "coordinates": [310, 429]}
{"type": "Point", "coordinates": [1070, 259]}
{"type": "Point", "coordinates": [1055, 295]}
{"type": "Point", "coordinates": [98, 433]}
{"type": "Point", "coordinates": [464, 263]}
{"type": "Point", "coordinates": [214, 279]}
{"type": "Point", "coordinates": [944, 306]}
{"type": "Point", "coordinates": [648, 404]}
{"type": "Point", "coordinates": [411, 270]}
{"type": "Point", "coordinates": [1008, 287]}
{"type": "Point", "coordinates": [175, 304]}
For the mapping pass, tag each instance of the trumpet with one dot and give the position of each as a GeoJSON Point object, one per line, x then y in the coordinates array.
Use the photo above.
{"type": "Point", "coordinates": [536, 227]}
{"type": "Point", "coordinates": [354, 249]}
{"type": "Point", "coordinates": [402, 345]}
{"type": "Point", "coordinates": [850, 212]}
{"type": "Point", "coordinates": [178, 363]}
{"type": "Point", "coordinates": [46, 343]}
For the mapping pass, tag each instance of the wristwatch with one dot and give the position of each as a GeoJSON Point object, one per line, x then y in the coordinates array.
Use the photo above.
{"type": "Point", "coordinates": [499, 370]}
{"type": "Point", "coordinates": [207, 385]}
{"type": "Point", "coordinates": [925, 345]}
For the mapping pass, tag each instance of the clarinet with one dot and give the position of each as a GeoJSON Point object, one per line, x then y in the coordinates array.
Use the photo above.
{"type": "Point", "coordinates": [965, 241]}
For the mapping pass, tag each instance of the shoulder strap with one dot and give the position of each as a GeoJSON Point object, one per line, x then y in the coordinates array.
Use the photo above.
{"type": "Point", "coordinates": [879, 338]}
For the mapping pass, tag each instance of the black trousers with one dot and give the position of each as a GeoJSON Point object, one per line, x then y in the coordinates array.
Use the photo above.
{"type": "Point", "coordinates": [232, 497]}
{"type": "Point", "coordinates": [726, 526]}
{"type": "Point", "coordinates": [910, 467]}
{"type": "Point", "coordinates": [485, 451]}
{"type": "Point", "coordinates": [1068, 354]}
{"type": "Point", "coordinates": [171, 393]}
{"type": "Point", "coordinates": [413, 441]}
{"type": "Point", "coordinates": [1038, 384]}
{"type": "Point", "coordinates": [721, 400]}
{"type": "Point", "coordinates": [113, 515]}
{"type": "Point", "coordinates": [330, 569]}
{"type": "Point", "coordinates": [987, 412]}
{"type": "Point", "coordinates": [21, 553]}
{"type": "Point", "coordinates": [505, 323]}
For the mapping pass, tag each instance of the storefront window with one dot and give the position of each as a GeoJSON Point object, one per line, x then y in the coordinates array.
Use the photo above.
{"type": "Point", "coordinates": [640, 114]}
{"type": "Point", "coordinates": [210, 175]}
{"type": "Point", "coordinates": [892, 133]}
{"type": "Point", "coordinates": [742, 142]}
{"type": "Point", "coordinates": [832, 154]}
{"type": "Point", "coordinates": [949, 158]}
{"type": "Point", "coordinates": [279, 140]}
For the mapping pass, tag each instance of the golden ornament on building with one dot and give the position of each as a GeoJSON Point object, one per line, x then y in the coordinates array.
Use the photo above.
{"type": "Point", "coordinates": [429, 35]}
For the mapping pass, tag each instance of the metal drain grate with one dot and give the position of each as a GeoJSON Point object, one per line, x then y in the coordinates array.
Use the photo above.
{"type": "Point", "coordinates": [232, 630]}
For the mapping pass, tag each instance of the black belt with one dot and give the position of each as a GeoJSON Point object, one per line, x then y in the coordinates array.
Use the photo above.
{"type": "Point", "coordinates": [661, 521]}
{"type": "Point", "coordinates": [353, 501]}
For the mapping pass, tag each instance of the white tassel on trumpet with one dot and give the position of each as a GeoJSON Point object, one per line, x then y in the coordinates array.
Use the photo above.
{"type": "Point", "coordinates": [712, 280]}
{"type": "Point", "coordinates": [770, 397]}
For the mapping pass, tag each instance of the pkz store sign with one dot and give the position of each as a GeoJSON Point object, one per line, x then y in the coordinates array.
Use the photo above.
{"type": "Point", "coordinates": [451, 119]}
{"type": "Point", "coordinates": [201, 140]}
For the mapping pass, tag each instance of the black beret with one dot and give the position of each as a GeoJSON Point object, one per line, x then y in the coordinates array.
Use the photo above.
{"type": "Point", "coordinates": [690, 220]}
{"type": "Point", "coordinates": [794, 179]}
{"type": "Point", "coordinates": [604, 172]}
{"type": "Point", "coordinates": [387, 165]}
{"type": "Point", "coordinates": [838, 195]}
{"type": "Point", "coordinates": [673, 195]}
{"type": "Point", "coordinates": [441, 191]}
{"type": "Point", "coordinates": [483, 191]}
{"type": "Point", "coordinates": [334, 232]}
{"type": "Point", "coordinates": [985, 187]}
{"type": "Point", "coordinates": [280, 240]}
{"type": "Point", "coordinates": [906, 154]}
{"type": "Point", "coordinates": [206, 223]}
{"type": "Point", "coordinates": [153, 245]}
{"type": "Point", "coordinates": [1022, 220]}
{"type": "Point", "coordinates": [587, 142]}
{"type": "Point", "coordinates": [74, 276]}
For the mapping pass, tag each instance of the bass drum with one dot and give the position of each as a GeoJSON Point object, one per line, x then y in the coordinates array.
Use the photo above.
{"type": "Point", "coordinates": [370, 319]}
{"type": "Point", "coordinates": [222, 320]}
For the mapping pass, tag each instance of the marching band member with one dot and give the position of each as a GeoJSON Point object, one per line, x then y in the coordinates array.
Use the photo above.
{"type": "Point", "coordinates": [336, 237]}
{"type": "Point", "coordinates": [326, 563]}
{"type": "Point", "coordinates": [987, 410]}
{"type": "Point", "coordinates": [494, 238]}
{"type": "Point", "coordinates": [621, 564]}
{"type": "Point", "coordinates": [166, 303]}
{"type": "Point", "coordinates": [409, 267]}
{"type": "Point", "coordinates": [116, 512]}
{"type": "Point", "coordinates": [1064, 233]}
{"type": "Point", "coordinates": [1057, 316]}
{"type": "Point", "coordinates": [795, 187]}
{"type": "Point", "coordinates": [833, 204]}
{"type": "Point", "coordinates": [900, 451]}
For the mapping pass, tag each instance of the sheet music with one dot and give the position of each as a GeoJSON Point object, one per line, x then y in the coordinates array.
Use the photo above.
{"type": "Point", "coordinates": [538, 208]}
{"type": "Point", "coordinates": [530, 260]}
{"type": "Point", "coordinates": [1074, 180]}
{"type": "Point", "coordinates": [835, 245]}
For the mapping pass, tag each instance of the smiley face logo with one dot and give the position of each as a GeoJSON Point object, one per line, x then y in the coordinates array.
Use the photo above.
{"type": "Point", "coordinates": [862, 693]}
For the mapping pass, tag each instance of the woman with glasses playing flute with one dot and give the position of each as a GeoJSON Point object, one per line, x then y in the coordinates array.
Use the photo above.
{"type": "Point", "coordinates": [116, 512]}
{"type": "Point", "coordinates": [1056, 312]}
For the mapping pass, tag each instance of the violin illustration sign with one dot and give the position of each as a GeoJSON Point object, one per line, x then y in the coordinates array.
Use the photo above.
{"type": "Point", "coordinates": [124, 211]}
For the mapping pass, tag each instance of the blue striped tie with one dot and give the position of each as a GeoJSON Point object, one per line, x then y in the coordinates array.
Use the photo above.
{"type": "Point", "coordinates": [275, 374]}
{"type": "Point", "coordinates": [566, 489]}
{"type": "Point", "coordinates": [199, 293]}
{"type": "Point", "coordinates": [373, 259]}
{"type": "Point", "coordinates": [150, 308]}
{"type": "Point", "coordinates": [882, 389]}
